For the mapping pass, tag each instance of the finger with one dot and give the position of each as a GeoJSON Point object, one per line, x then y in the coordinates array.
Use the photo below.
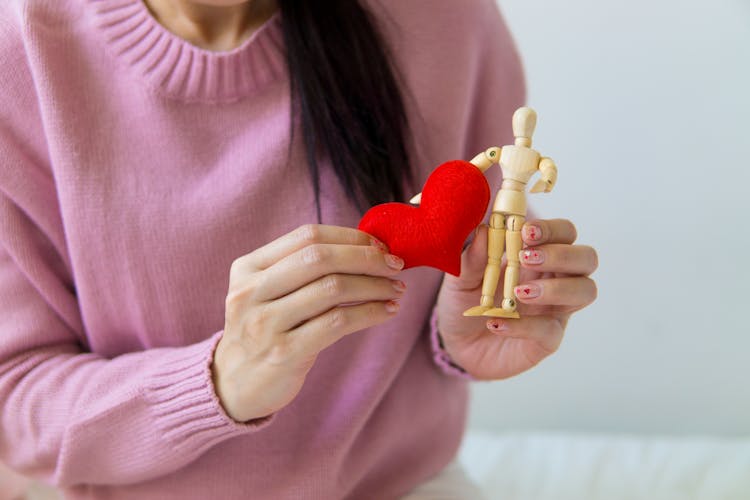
{"type": "Point", "coordinates": [538, 232]}
{"type": "Point", "coordinates": [303, 236]}
{"type": "Point", "coordinates": [578, 291]}
{"type": "Point", "coordinates": [544, 330]}
{"type": "Point", "coordinates": [320, 332]}
{"type": "Point", "coordinates": [315, 261]}
{"type": "Point", "coordinates": [327, 292]}
{"type": "Point", "coordinates": [568, 259]}
{"type": "Point", "coordinates": [473, 262]}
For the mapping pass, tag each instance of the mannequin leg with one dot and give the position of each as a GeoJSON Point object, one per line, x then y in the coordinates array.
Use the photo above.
{"type": "Point", "coordinates": [495, 244]}
{"type": "Point", "coordinates": [514, 243]}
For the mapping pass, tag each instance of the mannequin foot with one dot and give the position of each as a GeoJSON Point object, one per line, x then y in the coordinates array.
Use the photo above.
{"type": "Point", "coordinates": [507, 310]}
{"type": "Point", "coordinates": [499, 312]}
{"type": "Point", "coordinates": [477, 310]}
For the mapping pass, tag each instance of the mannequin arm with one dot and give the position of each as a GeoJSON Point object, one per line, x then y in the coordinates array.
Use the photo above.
{"type": "Point", "coordinates": [482, 161]}
{"type": "Point", "coordinates": [549, 176]}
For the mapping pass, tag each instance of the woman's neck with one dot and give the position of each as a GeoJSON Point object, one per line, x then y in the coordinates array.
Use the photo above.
{"type": "Point", "coordinates": [215, 28]}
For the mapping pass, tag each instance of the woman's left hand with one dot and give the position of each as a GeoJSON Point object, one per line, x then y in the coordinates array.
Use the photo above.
{"type": "Point", "coordinates": [549, 292]}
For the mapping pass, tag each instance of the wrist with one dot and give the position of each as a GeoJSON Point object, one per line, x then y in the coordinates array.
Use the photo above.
{"type": "Point", "coordinates": [441, 356]}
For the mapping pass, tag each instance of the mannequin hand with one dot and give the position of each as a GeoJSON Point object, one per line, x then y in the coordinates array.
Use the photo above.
{"type": "Point", "coordinates": [495, 348]}
{"type": "Point", "coordinates": [542, 185]}
{"type": "Point", "coordinates": [548, 178]}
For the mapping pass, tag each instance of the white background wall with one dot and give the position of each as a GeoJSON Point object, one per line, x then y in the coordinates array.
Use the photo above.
{"type": "Point", "coordinates": [645, 106]}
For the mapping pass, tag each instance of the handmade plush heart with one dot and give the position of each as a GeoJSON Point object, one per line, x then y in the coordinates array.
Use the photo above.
{"type": "Point", "coordinates": [454, 201]}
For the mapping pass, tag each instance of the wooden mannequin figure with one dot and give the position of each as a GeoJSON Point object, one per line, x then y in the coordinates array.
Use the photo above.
{"type": "Point", "coordinates": [518, 163]}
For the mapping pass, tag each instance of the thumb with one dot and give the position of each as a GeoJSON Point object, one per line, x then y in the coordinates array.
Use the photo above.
{"type": "Point", "coordinates": [473, 261]}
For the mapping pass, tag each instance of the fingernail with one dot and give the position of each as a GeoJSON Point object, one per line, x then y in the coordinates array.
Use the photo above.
{"type": "Point", "coordinates": [379, 245]}
{"type": "Point", "coordinates": [391, 306]}
{"type": "Point", "coordinates": [532, 256]}
{"type": "Point", "coordinates": [532, 233]}
{"type": "Point", "coordinates": [394, 262]}
{"type": "Point", "coordinates": [529, 291]}
{"type": "Point", "coordinates": [399, 285]}
{"type": "Point", "coordinates": [496, 325]}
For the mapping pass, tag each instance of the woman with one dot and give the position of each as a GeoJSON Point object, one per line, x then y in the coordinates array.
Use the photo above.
{"type": "Point", "coordinates": [186, 309]}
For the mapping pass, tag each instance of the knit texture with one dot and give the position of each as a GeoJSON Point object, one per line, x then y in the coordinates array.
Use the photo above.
{"type": "Point", "coordinates": [134, 169]}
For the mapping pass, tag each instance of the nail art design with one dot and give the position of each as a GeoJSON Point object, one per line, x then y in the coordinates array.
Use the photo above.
{"type": "Point", "coordinates": [496, 325]}
{"type": "Point", "coordinates": [394, 262]}
{"type": "Point", "coordinates": [529, 291]}
{"type": "Point", "coordinates": [379, 245]}
{"type": "Point", "coordinates": [532, 256]}
{"type": "Point", "coordinates": [534, 233]}
{"type": "Point", "coordinates": [399, 285]}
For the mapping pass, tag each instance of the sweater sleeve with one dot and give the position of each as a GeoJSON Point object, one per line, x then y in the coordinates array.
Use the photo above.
{"type": "Point", "coordinates": [499, 88]}
{"type": "Point", "coordinates": [72, 417]}
{"type": "Point", "coordinates": [68, 415]}
{"type": "Point", "coordinates": [440, 355]}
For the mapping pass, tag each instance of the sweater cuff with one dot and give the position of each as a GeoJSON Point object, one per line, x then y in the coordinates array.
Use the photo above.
{"type": "Point", "coordinates": [187, 410]}
{"type": "Point", "coordinates": [440, 355]}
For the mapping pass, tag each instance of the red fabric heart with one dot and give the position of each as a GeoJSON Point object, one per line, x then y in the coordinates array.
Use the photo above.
{"type": "Point", "coordinates": [454, 201]}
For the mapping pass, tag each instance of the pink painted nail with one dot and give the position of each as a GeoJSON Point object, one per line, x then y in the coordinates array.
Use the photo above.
{"type": "Point", "coordinates": [379, 245]}
{"type": "Point", "coordinates": [394, 262]}
{"type": "Point", "coordinates": [529, 291]}
{"type": "Point", "coordinates": [532, 256]}
{"type": "Point", "coordinates": [532, 233]}
{"type": "Point", "coordinates": [496, 325]}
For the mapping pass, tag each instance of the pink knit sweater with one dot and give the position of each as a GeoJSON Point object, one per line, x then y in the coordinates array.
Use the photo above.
{"type": "Point", "coordinates": [134, 168]}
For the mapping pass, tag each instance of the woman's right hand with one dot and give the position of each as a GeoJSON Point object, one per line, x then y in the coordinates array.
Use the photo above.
{"type": "Point", "coordinates": [289, 300]}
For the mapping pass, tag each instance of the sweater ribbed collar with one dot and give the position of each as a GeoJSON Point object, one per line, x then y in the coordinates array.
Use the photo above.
{"type": "Point", "coordinates": [178, 69]}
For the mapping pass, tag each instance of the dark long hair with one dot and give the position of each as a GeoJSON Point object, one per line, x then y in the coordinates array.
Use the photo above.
{"type": "Point", "coordinates": [346, 95]}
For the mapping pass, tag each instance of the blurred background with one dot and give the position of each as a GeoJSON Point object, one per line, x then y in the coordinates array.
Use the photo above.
{"type": "Point", "coordinates": [645, 107]}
